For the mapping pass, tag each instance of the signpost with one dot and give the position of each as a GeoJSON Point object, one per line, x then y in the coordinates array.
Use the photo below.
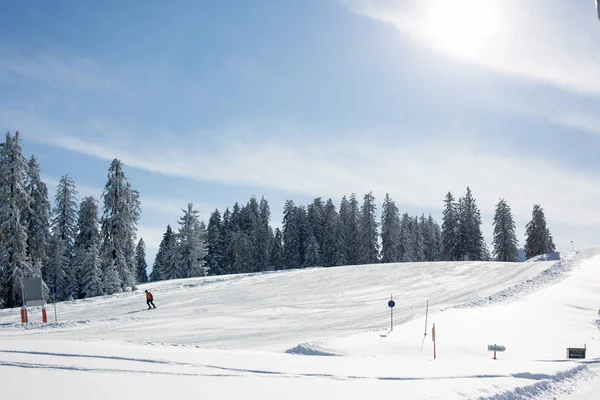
{"type": "Point", "coordinates": [433, 338]}
{"type": "Point", "coordinates": [391, 305]}
{"type": "Point", "coordinates": [495, 348]}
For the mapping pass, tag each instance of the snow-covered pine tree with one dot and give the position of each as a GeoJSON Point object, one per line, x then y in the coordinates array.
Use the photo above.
{"type": "Point", "coordinates": [303, 230]}
{"type": "Point", "coordinates": [119, 225]}
{"type": "Point", "coordinates": [406, 242]}
{"type": "Point", "coordinates": [171, 269]}
{"type": "Point", "coordinates": [450, 229]}
{"type": "Point", "coordinates": [311, 252]}
{"type": "Point", "coordinates": [278, 261]}
{"type": "Point", "coordinates": [418, 245]}
{"type": "Point", "coordinates": [434, 247]}
{"type": "Point", "coordinates": [227, 230]}
{"type": "Point", "coordinates": [91, 281]}
{"type": "Point", "coordinates": [538, 238]}
{"type": "Point", "coordinates": [470, 236]}
{"type": "Point", "coordinates": [216, 251]}
{"type": "Point", "coordinates": [141, 266]}
{"type": "Point", "coordinates": [192, 244]}
{"type": "Point", "coordinates": [369, 238]}
{"type": "Point", "coordinates": [331, 240]}
{"type": "Point", "coordinates": [291, 236]}
{"type": "Point", "coordinates": [56, 267]}
{"type": "Point", "coordinates": [13, 200]}
{"type": "Point", "coordinates": [315, 214]}
{"type": "Point", "coordinates": [65, 214]}
{"type": "Point", "coordinates": [505, 239]}
{"type": "Point", "coordinates": [160, 260]}
{"type": "Point", "coordinates": [390, 231]}
{"type": "Point", "coordinates": [350, 217]}
{"type": "Point", "coordinates": [87, 237]}
{"type": "Point", "coordinates": [241, 252]}
{"type": "Point", "coordinates": [37, 218]}
{"type": "Point", "coordinates": [264, 235]}
{"type": "Point", "coordinates": [112, 282]}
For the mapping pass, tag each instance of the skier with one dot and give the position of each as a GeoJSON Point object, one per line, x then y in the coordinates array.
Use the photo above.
{"type": "Point", "coordinates": [149, 300]}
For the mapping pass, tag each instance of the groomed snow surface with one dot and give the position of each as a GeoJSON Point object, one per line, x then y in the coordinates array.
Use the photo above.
{"type": "Point", "coordinates": [321, 333]}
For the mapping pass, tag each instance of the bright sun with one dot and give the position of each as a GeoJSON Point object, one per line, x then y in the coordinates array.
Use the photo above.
{"type": "Point", "coordinates": [462, 27]}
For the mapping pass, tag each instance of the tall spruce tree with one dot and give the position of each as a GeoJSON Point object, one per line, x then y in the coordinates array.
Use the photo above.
{"type": "Point", "coordinates": [291, 236]}
{"type": "Point", "coordinates": [538, 238]}
{"type": "Point", "coordinates": [368, 231]}
{"type": "Point", "coordinates": [406, 241]}
{"type": "Point", "coordinates": [263, 236]}
{"type": "Point", "coordinates": [331, 235]}
{"type": "Point", "coordinates": [350, 217]}
{"type": "Point", "coordinates": [37, 218]}
{"type": "Point", "coordinates": [278, 261]}
{"type": "Point", "coordinates": [87, 243]}
{"type": "Point", "coordinates": [141, 266]}
{"type": "Point", "coordinates": [121, 212]}
{"type": "Point", "coordinates": [215, 258]}
{"type": "Point", "coordinates": [450, 222]}
{"type": "Point", "coordinates": [192, 244]}
{"type": "Point", "coordinates": [14, 198]}
{"type": "Point", "coordinates": [57, 266]}
{"type": "Point", "coordinates": [65, 213]}
{"type": "Point", "coordinates": [433, 244]}
{"type": "Point", "coordinates": [160, 262]}
{"type": "Point", "coordinates": [470, 238]}
{"type": "Point", "coordinates": [390, 231]}
{"type": "Point", "coordinates": [505, 239]}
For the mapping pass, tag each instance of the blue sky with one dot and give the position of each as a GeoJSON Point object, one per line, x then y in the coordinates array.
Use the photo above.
{"type": "Point", "coordinates": [213, 102]}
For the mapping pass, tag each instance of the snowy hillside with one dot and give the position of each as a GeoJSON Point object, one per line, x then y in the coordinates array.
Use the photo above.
{"type": "Point", "coordinates": [252, 336]}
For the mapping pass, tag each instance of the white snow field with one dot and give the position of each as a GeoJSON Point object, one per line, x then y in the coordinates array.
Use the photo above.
{"type": "Point", "coordinates": [321, 333]}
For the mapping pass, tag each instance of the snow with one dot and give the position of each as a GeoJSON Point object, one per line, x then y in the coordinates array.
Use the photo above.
{"type": "Point", "coordinates": [321, 333]}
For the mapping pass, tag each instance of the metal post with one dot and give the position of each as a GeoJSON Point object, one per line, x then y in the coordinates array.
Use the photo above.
{"type": "Point", "coordinates": [433, 338]}
{"type": "Point", "coordinates": [391, 315]}
{"type": "Point", "coordinates": [426, 314]}
{"type": "Point", "coordinates": [54, 294]}
{"type": "Point", "coordinates": [494, 351]}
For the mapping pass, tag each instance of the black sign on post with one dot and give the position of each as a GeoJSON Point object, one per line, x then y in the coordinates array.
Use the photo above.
{"type": "Point", "coordinates": [576, 352]}
{"type": "Point", "coordinates": [391, 303]}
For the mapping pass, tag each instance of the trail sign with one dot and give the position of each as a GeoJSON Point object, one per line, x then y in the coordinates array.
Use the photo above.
{"type": "Point", "coordinates": [391, 303]}
{"type": "Point", "coordinates": [575, 352]}
{"type": "Point", "coordinates": [32, 292]}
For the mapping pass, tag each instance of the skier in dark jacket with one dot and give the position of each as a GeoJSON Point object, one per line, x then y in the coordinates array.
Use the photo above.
{"type": "Point", "coordinates": [149, 300]}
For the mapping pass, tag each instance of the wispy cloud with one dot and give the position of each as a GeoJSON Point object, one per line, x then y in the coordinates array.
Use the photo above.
{"type": "Point", "coordinates": [54, 69]}
{"type": "Point", "coordinates": [537, 40]}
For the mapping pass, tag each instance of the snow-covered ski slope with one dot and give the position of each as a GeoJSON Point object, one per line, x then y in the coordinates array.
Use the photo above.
{"type": "Point", "coordinates": [317, 333]}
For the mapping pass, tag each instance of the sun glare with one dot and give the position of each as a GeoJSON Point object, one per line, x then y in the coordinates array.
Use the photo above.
{"type": "Point", "coordinates": [462, 27]}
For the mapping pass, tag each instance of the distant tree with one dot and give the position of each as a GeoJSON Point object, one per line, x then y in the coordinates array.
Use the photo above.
{"type": "Point", "coordinates": [215, 258]}
{"type": "Point", "coordinates": [390, 231]}
{"type": "Point", "coordinates": [368, 231]}
{"type": "Point", "coordinates": [418, 243]}
{"type": "Point", "coordinates": [505, 239]}
{"type": "Point", "coordinates": [406, 241]}
{"type": "Point", "coordinates": [311, 252]}
{"type": "Point", "coordinates": [538, 238]}
{"type": "Point", "coordinates": [350, 218]}
{"type": "Point", "coordinates": [140, 262]}
{"type": "Point", "coordinates": [263, 236]}
{"type": "Point", "coordinates": [331, 235]}
{"type": "Point", "coordinates": [315, 215]}
{"type": "Point", "coordinates": [291, 236]}
{"type": "Point", "coordinates": [278, 253]}
{"type": "Point", "coordinates": [450, 229]}
{"type": "Point", "coordinates": [433, 240]}
{"type": "Point", "coordinates": [470, 238]}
